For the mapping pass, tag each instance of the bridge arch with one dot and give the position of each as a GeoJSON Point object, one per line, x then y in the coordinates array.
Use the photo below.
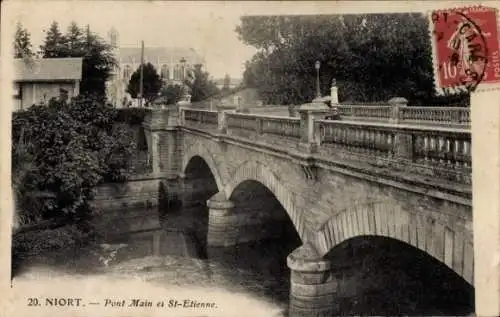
{"type": "Point", "coordinates": [258, 171]}
{"type": "Point", "coordinates": [198, 149]}
{"type": "Point", "coordinates": [446, 243]}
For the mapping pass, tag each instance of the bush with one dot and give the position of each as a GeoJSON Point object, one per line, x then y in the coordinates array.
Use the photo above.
{"type": "Point", "coordinates": [67, 150]}
{"type": "Point", "coordinates": [35, 243]}
{"type": "Point", "coordinates": [38, 241]}
{"type": "Point", "coordinates": [131, 116]}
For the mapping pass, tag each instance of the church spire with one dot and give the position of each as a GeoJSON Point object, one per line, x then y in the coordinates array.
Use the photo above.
{"type": "Point", "coordinates": [113, 37]}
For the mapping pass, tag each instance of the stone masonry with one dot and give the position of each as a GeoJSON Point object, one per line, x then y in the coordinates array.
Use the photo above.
{"type": "Point", "coordinates": [328, 203]}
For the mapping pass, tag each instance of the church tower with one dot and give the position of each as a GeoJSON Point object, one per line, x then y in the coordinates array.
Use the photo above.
{"type": "Point", "coordinates": [114, 85]}
{"type": "Point", "coordinates": [113, 41]}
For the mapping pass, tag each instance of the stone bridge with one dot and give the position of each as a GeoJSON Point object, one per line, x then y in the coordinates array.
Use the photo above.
{"type": "Point", "coordinates": [336, 180]}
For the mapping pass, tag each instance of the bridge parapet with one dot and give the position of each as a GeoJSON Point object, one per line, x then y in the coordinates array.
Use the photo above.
{"type": "Point", "coordinates": [447, 116]}
{"type": "Point", "coordinates": [439, 152]}
{"type": "Point", "coordinates": [433, 151]}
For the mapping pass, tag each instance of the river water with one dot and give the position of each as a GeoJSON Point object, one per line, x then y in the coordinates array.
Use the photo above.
{"type": "Point", "coordinates": [378, 277]}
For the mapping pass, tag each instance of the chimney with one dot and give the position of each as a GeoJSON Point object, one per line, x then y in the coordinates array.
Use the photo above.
{"type": "Point", "coordinates": [334, 95]}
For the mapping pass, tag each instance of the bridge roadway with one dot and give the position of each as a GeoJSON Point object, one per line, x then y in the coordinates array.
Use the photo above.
{"type": "Point", "coordinates": [336, 180]}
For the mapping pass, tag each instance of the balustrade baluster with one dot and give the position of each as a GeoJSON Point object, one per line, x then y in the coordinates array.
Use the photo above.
{"type": "Point", "coordinates": [344, 137]}
{"type": "Point", "coordinates": [371, 145]}
{"type": "Point", "coordinates": [355, 137]}
{"type": "Point", "coordinates": [466, 153]}
{"type": "Point", "coordinates": [378, 142]}
{"type": "Point", "coordinates": [447, 152]}
{"type": "Point", "coordinates": [322, 133]}
{"type": "Point", "coordinates": [456, 153]}
{"type": "Point", "coordinates": [366, 140]}
{"type": "Point", "coordinates": [333, 134]}
{"type": "Point", "coordinates": [359, 140]}
{"type": "Point", "coordinates": [430, 150]}
{"type": "Point", "coordinates": [440, 149]}
{"type": "Point", "coordinates": [352, 138]}
{"type": "Point", "coordinates": [427, 148]}
{"type": "Point", "coordinates": [434, 149]}
{"type": "Point", "coordinates": [390, 146]}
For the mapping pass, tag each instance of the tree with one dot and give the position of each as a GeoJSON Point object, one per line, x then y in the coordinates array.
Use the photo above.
{"type": "Point", "coordinates": [98, 64]}
{"type": "Point", "coordinates": [53, 45]}
{"type": "Point", "coordinates": [22, 43]}
{"type": "Point", "coordinates": [201, 88]}
{"type": "Point", "coordinates": [227, 83]}
{"type": "Point", "coordinates": [151, 83]}
{"type": "Point", "coordinates": [71, 149]}
{"type": "Point", "coordinates": [369, 55]}
{"type": "Point", "coordinates": [172, 93]}
{"type": "Point", "coordinates": [98, 59]}
{"type": "Point", "coordinates": [74, 41]}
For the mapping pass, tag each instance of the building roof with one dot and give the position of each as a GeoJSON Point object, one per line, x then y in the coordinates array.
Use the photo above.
{"type": "Point", "coordinates": [162, 54]}
{"type": "Point", "coordinates": [48, 69]}
{"type": "Point", "coordinates": [232, 81]}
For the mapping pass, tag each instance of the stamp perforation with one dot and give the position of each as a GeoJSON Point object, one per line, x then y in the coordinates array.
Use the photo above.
{"type": "Point", "coordinates": [477, 67]}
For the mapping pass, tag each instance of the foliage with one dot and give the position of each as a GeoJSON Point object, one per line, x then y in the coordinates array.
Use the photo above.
{"type": "Point", "coordinates": [227, 83]}
{"type": "Point", "coordinates": [36, 242]}
{"type": "Point", "coordinates": [373, 57]}
{"type": "Point", "coordinates": [201, 88]}
{"type": "Point", "coordinates": [71, 148]}
{"type": "Point", "coordinates": [74, 41]}
{"type": "Point", "coordinates": [53, 45]}
{"type": "Point", "coordinates": [131, 116]}
{"type": "Point", "coordinates": [22, 43]}
{"type": "Point", "coordinates": [173, 93]}
{"type": "Point", "coordinates": [98, 59]}
{"type": "Point", "coordinates": [151, 83]}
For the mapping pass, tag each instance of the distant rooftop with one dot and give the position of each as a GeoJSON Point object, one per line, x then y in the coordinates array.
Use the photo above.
{"type": "Point", "coordinates": [130, 54]}
{"type": "Point", "coordinates": [233, 81]}
{"type": "Point", "coordinates": [48, 69]}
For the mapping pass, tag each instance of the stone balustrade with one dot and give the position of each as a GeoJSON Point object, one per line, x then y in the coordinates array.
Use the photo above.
{"type": "Point", "coordinates": [428, 149]}
{"type": "Point", "coordinates": [438, 115]}
{"type": "Point", "coordinates": [450, 116]}
{"type": "Point", "coordinates": [202, 118]}
{"type": "Point", "coordinates": [424, 149]}
{"type": "Point", "coordinates": [246, 124]}
{"type": "Point", "coordinates": [281, 126]}
{"type": "Point", "coordinates": [377, 113]}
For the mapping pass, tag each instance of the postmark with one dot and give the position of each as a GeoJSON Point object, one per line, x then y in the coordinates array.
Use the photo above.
{"type": "Point", "coordinates": [465, 47]}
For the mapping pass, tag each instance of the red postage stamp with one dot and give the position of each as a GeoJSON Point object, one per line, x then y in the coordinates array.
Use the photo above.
{"type": "Point", "coordinates": [465, 47]}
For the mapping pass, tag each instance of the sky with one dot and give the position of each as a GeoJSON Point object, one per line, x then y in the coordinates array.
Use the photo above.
{"type": "Point", "coordinates": [208, 27]}
{"type": "Point", "coordinates": [210, 32]}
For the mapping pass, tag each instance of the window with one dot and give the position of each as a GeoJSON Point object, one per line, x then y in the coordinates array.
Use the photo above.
{"type": "Point", "coordinates": [127, 72]}
{"type": "Point", "coordinates": [178, 72]}
{"type": "Point", "coordinates": [17, 90]}
{"type": "Point", "coordinates": [165, 73]}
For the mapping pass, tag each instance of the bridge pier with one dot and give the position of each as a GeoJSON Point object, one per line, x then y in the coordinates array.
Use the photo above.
{"type": "Point", "coordinates": [222, 230]}
{"type": "Point", "coordinates": [313, 285]}
{"type": "Point", "coordinates": [185, 191]}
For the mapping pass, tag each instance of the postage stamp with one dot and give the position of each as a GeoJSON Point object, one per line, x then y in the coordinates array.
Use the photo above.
{"type": "Point", "coordinates": [465, 47]}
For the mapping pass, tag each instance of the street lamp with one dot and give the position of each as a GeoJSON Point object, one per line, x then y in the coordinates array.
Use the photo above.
{"type": "Point", "coordinates": [183, 84]}
{"type": "Point", "coordinates": [183, 63]}
{"type": "Point", "coordinates": [316, 66]}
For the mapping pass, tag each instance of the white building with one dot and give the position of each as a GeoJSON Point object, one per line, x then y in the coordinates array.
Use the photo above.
{"type": "Point", "coordinates": [38, 81]}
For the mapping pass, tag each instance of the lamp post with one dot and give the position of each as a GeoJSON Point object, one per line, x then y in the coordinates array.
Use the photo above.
{"type": "Point", "coordinates": [316, 66]}
{"type": "Point", "coordinates": [183, 67]}
{"type": "Point", "coordinates": [183, 77]}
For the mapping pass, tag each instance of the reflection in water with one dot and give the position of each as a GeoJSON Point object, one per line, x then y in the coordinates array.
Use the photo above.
{"type": "Point", "coordinates": [257, 268]}
{"type": "Point", "coordinates": [377, 276]}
